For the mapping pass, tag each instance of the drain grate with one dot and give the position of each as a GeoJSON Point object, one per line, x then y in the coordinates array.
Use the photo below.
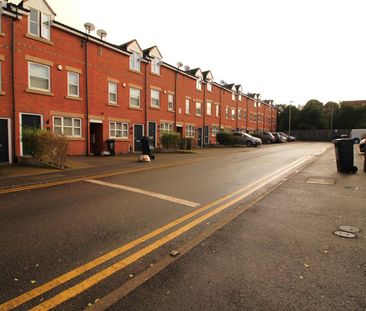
{"type": "Point", "coordinates": [343, 234]}
{"type": "Point", "coordinates": [321, 180]}
{"type": "Point", "coordinates": [350, 229]}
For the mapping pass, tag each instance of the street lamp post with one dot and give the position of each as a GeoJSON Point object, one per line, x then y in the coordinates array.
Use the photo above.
{"type": "Point", "coordinates": [289, 119]}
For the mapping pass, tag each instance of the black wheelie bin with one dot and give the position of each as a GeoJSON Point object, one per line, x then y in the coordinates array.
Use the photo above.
{"type": "Point", "coordinates": [344, 155]}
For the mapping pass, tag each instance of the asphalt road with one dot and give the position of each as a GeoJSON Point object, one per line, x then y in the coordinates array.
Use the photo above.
{"type": "Point", "coordinates": [83, 240]}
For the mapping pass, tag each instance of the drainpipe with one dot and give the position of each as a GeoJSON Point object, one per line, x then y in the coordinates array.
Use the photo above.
{"type": "Point", "coordinates": [86, 95]}
{"type": "Point", "coordinates": [145, 81]}
{"type": "Point", "coordinates": [13, 84]}
{"type": "Point", "coordinates": [175, 100]}
{"type": "Point", "coordinates": [247, 114]}
{"type": "Point", "coordinates": [220, 110]}
{"type": "Point", "coordinates": [236, 113]}
{"type": "Point", "coordinates": [204, 114]}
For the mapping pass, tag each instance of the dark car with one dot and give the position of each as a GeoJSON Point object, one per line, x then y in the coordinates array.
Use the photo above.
{"type": "Point", "coordinates": [362, 145]}
{"type": "Point", "coordinates": [289, 138]}
{"type": "Point", "coordinates": [266, 137]}
{"type": "Point", "coordinates": [248, 140]}
{"type": "Point", "coordinates": [279, 138]}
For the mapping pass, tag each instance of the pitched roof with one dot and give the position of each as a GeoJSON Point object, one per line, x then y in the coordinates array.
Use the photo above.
{"type": "Point", "coordinates": [207, 75]}
{"type": "Point", "coordinates": [230, 86]}
{"type": "Point", "coordinates": [126, 45]}
{"type": "Point", "coordinates": [152, 51]}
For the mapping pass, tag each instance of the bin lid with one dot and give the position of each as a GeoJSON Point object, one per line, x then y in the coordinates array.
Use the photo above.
{"type": "Point", "coordinates": [340, 140]}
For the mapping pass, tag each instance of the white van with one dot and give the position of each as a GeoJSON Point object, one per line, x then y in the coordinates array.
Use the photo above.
{"type": "Point", "coordinates": [357, 135]}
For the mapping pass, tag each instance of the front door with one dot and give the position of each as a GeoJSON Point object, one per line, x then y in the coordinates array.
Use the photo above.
{"type": "Point", "coordinates": [199, 137]}
{"type": "Point", "coordinates": [137, 136]}
{"type": "Point", "coordinates": [96, 138]}
{"type": "Point", "coordinates": [4, 141]}
{"type": "Point", "coordinates": [152, 132]}
{"type": "Point", "coordinates": [206, 134]}
{"type": "Point", "coordinates": [30, 121]}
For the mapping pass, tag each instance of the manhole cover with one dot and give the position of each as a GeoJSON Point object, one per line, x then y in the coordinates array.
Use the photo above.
{"type": "Point", "coordinates": [350, 229]}
{"type": "Point", "coordinates": [321, 180]}
{"type": "Point", "coordinates": [343, 234]}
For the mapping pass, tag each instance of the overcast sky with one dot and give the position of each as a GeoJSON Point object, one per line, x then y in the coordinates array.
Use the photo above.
{"type": "Point", "coordinates": [287, 50]}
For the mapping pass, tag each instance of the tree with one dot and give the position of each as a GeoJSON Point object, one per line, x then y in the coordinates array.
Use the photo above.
{"type": "Point", "coordinates": [331, 110]}
{"type": "Point", "coordinates": [312, 116]}
{"type": "Point", "coordinates": [284, 115]}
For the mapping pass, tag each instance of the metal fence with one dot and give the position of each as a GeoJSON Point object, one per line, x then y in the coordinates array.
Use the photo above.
{"type": "Point", "coordinates": [319, 135]}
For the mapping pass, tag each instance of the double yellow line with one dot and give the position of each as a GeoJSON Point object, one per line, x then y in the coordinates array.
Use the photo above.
{"type": "Point", "coordinates": [99, 276]}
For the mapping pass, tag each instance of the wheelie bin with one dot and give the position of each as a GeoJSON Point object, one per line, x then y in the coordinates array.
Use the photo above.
{"type": "Point", "coordinates": [344, 155]}
{"type": "Point", "coordinates": [147, 147]}
{"type": "Point", "coordinates": [111, 146]}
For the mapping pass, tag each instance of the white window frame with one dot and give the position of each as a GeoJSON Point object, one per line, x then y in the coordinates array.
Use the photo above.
{"type": "Point", "coordinates": [138, 97]}
{"type": "Point", "coordinates": [73, 126]}
{"type": "Point", "coordinates": [233, 112]}
{"type": "Point", "coordinates": [190, 131]}
{"type": "Point", "coordinates": [239, 97]}
{"type": "Point", "coordinates": [209, 86]}
{"type": "Point", "coordinates": [30, 77]}
{"type": "Point", "coordinates": [233, 96]}
{"type": "Point", "coordinates": [217, 111]}
{"type": "Point", "coordinates": [199, 84]}
{"type": "Point", "coordinates": [209, 108]}
{"type": "Point", "coordinates": [155, 98]}
{"type": "Point", "coordinates": [43, 24]}
{"type": "Point", "coordinates": [171, 102]}
{"type": "Point", "coordinates": [123, 130]}
{"type": "Point", "coordinates": [135, 61]}
{"type": "Point", "coordinates": [214, 130]}
{"type": "Point", "coordinates": [111, 92]}
{"type": "Point", "coordinates": [69, 83]}
{"type": "Point", "coordinates": [198, 108]}
{"type": "Point", "coordinates": [227, 113]}
{"type": "Point", "coordinates": [166, 128]}
{"type": "Point", "coordinates": [155, 66]}
{"type": "Point", "coordinates": [188, 106]}
{"type": "Point", "coordinates": [239, 113]}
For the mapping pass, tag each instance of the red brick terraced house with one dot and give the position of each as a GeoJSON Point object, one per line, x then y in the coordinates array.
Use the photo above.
{"type": "Point", "coordinates": [72, 83]}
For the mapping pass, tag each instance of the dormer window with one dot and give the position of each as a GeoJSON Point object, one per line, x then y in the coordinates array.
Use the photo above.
{"type": "Point", "coordinates": [135, 61]}
{"type": "Point", "coordinates": [198, 85]}
{"type": "Point", "coordinates": [39, 24]}
{"type": "Point", "coordinates": [155, 66]}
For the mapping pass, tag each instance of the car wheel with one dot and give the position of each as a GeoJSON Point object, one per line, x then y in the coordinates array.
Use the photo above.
{"type": "Point", "coordinates": [249, 144]}
{"type": "Point", "coordinates": [356, 141]}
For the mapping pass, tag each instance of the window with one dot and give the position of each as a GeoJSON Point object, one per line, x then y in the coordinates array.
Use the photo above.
{"type": "Point", "coordinates": [188, 106]}
{"type": "Point", "coordinates": [239, 97]}
{"type": "Point", "coordinates": [118, 130]}
{"type": "Point", "coordinates": [189, 131]}
{"type": "Point", "coordinates": [166, 128]}
{"type": "Point", "coordinates": [112, 92]}
{"type": "Point", "coordinates": [198, 84]}
{"type": "Point", "coordinates": [155, 66]}
{"type": "Point", "coordinates": [155, 98]}
{"type": "Point", "coordinates": [198, 109]}
{"type": "Point", "coordinates": [209, 86]}
{"type": "Point", "coordinates": [170, 102]}
{"type": "Point", "coordinates": [135, 60]}
{"type": "Point", "coordinates": [232, 114]}
{"type": "Point", "coordinates": [227, 112]}
{"type": "Point", "coordinates": [251, 116]}
{"type": "Point", "coordinates": [73, 84]}
{"type": "Point", "coordinates": [39, 24]}
{"type": "Point", "coordinates": [239, 114]}
{"type": "Point", "coordinates": [135, 95]}
{"type": "Point", "coordinates": [39, 77]}
{"type": "Point", "coordinates": [244, 114]}
{"type": "Point", "coordinates": [209, 108]}
{"type": "Point", "coordinates": [233, 96]}
{"type": "Point", "coordinates": [214, 130]}
{"type": "Point", "coordinates": [217, 111]}
{"type": "Point", "coordinates": [67, 126]}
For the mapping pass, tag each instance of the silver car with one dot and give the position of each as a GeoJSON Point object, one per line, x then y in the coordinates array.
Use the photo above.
{"type": "Point", "coordinates": [249, 140]}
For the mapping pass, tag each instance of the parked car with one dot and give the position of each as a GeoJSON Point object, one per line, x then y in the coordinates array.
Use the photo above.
{"type": "Point", "coordinates": [266, 137]}
{"type": "Point", "coordinates": [280, 138]}
{"type": "Point", "coordinates": [357, 135]}
{"type": "Point", "coordinates": [289, 137]}
{"type": "Point", "coordinates": [248, 140]}
{"type": "Point", "coordinates": [362, 145]}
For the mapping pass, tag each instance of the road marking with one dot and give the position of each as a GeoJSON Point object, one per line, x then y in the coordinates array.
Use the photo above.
{"type": "Point", "coordinates": [98, 277]}
{"type": "Point", "coordinates": [145, 192]}
{"type": "Point", "coordinates": [101, 175]}
{"type": "Point", "coordinates": [19, 300]}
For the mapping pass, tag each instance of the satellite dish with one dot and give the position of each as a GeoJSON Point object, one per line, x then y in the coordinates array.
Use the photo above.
{"type": "Point", "coordinates": [89, 27]}
{"type": "Point", "coordinates": [186, 68]}
{"type": "Point", "coordinates": [179, 64]}
{"type": "Point", "coordinates": [101, 33]}
{"type": "Point", "coordinates": [222, 82]}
